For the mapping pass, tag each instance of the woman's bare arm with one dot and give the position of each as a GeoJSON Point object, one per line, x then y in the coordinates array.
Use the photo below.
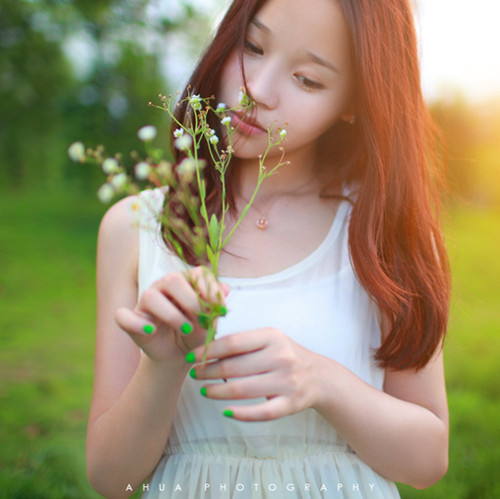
{"type": "Point", "coordinates": [135, 394]}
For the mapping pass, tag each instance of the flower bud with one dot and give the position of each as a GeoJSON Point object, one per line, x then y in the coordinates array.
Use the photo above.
{"type": "Point", "coordinates": [187, 167]}
{"type": "Point", "coordinates": [76, 151]}
{"type": "Point", "coordinates": [195, 102]}
{"type": "Point", "coordinates": [147, 133]}
{"type": "Point", "coordinates": [109, 166]}
{"type": "Point", "coordinates": [119, 180]}
{"type": "Point", "coordinates": [142, 170]}
{"type": "Point", "coordinates": [105, 193]}
{"type": "Point", "coordinates": [184, 142]}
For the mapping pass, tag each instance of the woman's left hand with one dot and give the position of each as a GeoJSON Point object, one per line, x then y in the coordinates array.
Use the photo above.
{"type": "Point", "coordinates": [259, 363]}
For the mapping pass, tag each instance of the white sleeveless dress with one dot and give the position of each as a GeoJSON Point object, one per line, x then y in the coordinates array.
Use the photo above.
{"type": "Point", "coordinates": [320, 304]}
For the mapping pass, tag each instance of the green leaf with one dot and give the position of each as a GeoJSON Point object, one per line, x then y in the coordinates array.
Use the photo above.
{"type": "Point", "coordinates": [204, 320]}
{"type": "Point", "coordinates": [213, 231]}
{"type": "Point", "coordinates": [211, 257]}
{"type": "Point", "coordinates": [177, 248]}
{"type": "Point", "coordinates": [203, 188]}
{"type": "Point", "coordinates": [203, 212]}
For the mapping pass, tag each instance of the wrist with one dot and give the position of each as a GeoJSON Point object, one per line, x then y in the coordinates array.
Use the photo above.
{"type": "Point", "coordinates": [325, 383]}
{"type": "Point", "coordinates": [172, 365]}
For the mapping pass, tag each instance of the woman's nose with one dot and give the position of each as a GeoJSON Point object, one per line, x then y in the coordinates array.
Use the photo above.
{"type": "Point", "coordinates": [263, 84]}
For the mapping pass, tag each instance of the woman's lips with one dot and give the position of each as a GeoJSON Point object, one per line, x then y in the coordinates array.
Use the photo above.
{"type": "Point", "coordinates": [247, 125]}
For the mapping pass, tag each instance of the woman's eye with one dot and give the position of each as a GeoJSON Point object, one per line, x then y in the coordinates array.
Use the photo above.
{"type": "Point", "coordinates": [253, 49]}
{"type": "Point", "coordinates": [306, 82]}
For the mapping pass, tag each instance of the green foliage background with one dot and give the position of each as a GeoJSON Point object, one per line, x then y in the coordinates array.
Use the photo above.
{"type": "Point", "coordinates": [49, 218]}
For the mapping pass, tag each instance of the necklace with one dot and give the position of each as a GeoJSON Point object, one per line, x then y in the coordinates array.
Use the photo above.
{"type": "Point", "coordinates": [262, 222]}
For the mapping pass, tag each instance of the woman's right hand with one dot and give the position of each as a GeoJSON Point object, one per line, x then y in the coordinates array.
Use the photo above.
{"type": "Point", "coordinates": [171, 306]}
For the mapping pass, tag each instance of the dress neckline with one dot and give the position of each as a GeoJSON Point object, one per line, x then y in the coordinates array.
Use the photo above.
{"type": "Point", "coordinates": [299, 266]}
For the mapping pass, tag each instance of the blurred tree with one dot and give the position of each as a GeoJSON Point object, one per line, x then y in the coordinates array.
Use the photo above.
{"type": "Point", "coordinates": [81, 70]}
{"type": "Point", "coordinates": [457, 121]}
{"type": "Point", "coordinates": [472, 139]}
{"type": "Point", "coordinates": [33, 74]}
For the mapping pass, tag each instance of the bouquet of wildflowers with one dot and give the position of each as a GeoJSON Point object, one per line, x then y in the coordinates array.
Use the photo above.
{"type": "Point", "coordinates": [190, 225]}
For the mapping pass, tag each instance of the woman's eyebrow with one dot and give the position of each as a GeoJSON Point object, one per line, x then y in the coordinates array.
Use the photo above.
{"type": "Point", "coordinates": [310, 56]}
{"type": "Point", "coordinates": [258, 24]}
{"type": "Point", "coordinates": [322, 62]}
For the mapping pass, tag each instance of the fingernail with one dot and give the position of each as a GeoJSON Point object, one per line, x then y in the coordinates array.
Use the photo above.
{"type": "Point", "coordinates": [192, 373]}
{"type": "Point", "coordinates": [228, 413]}
{"type": "Point", "coordinates": [186, 328]}
{"type": "Point", "coordinates": [148, 328]}
{"type": "Point", "coordinates": [190, 357]}
{"type": "Point", "coordinates": [203, 391]}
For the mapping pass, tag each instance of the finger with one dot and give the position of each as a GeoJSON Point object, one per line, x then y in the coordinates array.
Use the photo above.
{"type": "Point", "coordinates": [156, 304]}
{"type": "Point", "coordinates": [250, 387]}
{"type": "Point", "coordinates": [226, 288]}
{"type": "Point", "coordinates": [176, 288]}
{"type": "Point", "coordinates": [232, 367]}
{"type": "Point", "coordinates": [274, 408]}
{"type": "Point", "coordinates": [232, 344]}
{"type": "Point", "coordinates": [206, 285]}
{"type": "Point", "coordinates": [133, 323]}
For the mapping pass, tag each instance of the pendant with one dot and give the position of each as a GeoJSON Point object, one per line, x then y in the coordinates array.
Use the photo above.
{"type": "Point", "coordinates": [262, 224]}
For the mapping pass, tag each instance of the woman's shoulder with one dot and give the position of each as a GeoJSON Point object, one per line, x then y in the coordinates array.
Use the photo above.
{"type": "Point", "coordinates": [118, 232]}
{"type": "Point", "coordinates": [119, 219]}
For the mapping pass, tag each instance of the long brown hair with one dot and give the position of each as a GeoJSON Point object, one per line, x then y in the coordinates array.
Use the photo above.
{"type": "Point", "coordinates": [395, 240]}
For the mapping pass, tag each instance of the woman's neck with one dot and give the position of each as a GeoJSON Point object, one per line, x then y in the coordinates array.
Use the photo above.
{"type": "Point", "coordinates": [299, 175]}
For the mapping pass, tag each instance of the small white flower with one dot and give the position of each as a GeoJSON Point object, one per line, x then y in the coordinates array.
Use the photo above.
{"type": "Point", "coordinates": [195, 102]}
{"type": "Point", "coordinates": [147, 133]}
{"type": "Point", "coordinates": [76, 151]}
{"type": "Point", "coordinates": [110, 165]}
{"type": "Point", "coordinates": [119, 180]}
{"type": "Point", "coordinates": [221, 106]}
{"type": "Point", "coordinates": [187, 167]}
{"type": "Point", "coordinates": [226, 120]}
{"type": "Point", "coordinates": [283, 134]}
{"type": "Point", "coordinates": [184, 142]}
{"type": "Point", "coordinates": [105, 193]}
{"type": "Point", "coordinates": [142, 170]}
{"type": "Point", "coordinates": [178, 133]}
{"type": "Point", "coordinates": [214, 140]}
{"type": "Point", "coordinates": [244, 99]}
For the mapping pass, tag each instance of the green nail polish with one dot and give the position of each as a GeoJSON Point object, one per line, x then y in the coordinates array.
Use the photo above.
{"type": "Point", "coordinates": [220, 310]}
{"type": "Point", "coordinates": [186, 328]}
{"type": "Point", "coordinates": [192, 373]}
{"type": "Point", "coordinates": [148, 328]}
{"type": "Point", "coordinates": [203, 391]}
{"type": "Point", "coordinates": [190, 357]}
{"type": "Point", "coordinates": [228, 413]}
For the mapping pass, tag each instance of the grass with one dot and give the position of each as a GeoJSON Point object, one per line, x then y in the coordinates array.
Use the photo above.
{"type": "Point", "coordinates": [47, 248]}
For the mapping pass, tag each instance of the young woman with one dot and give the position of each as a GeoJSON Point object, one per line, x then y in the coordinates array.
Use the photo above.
{"type": "Point", "coordinates": [326, 376]}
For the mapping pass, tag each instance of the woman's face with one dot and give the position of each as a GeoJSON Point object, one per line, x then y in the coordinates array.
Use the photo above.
{"type": "Point", "coordinates": [298, 72]}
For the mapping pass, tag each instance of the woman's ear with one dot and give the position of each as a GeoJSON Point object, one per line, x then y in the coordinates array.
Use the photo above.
{"type": "Point", "coordinates": [349, 118]}
{"type": "Point", "coordinates": [349, 115]}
